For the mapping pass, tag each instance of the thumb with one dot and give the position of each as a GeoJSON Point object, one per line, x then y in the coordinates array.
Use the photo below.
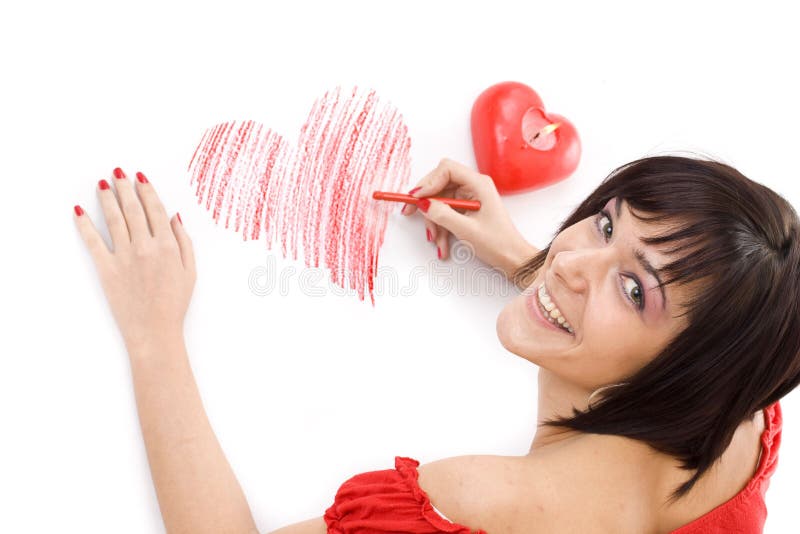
{"type": "Point", "coordinates": [445, 216]}
{"type": "Point", "coordinates": [184, 243]}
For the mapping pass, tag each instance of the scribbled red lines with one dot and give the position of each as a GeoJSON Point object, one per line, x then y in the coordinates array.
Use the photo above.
{"type": "Point", "coordinates": [315, 199]}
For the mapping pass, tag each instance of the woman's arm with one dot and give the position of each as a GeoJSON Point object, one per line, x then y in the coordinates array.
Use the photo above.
{"type": "Point", "coordinates": [148, 277]}
{"type": "Point", "coordinates": [196, 487]}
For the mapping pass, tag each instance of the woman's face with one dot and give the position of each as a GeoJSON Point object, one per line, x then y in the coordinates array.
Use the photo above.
{"type": "Point", "coordinates": [619, 318]}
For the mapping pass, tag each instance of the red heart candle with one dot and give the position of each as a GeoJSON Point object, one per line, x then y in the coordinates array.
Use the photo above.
{"type": "Point", "coordinates": [519, 144]}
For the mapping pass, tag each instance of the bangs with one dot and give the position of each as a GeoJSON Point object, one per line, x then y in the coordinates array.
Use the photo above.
{"type": "Point", "coordinates": [701, 245]}
{"type": "Point", "coordinates": [712, 230]}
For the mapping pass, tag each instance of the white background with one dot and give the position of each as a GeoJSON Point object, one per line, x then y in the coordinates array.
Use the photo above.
{"type": "Point", "coordinates": [303, 391]}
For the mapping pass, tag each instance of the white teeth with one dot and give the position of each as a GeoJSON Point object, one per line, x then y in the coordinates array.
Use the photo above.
{"type": "Point", "coordinates": [550, 312]}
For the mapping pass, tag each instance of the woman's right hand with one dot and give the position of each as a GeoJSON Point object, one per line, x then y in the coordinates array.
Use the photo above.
{"type": "Point", "coordinates": [489, 230]}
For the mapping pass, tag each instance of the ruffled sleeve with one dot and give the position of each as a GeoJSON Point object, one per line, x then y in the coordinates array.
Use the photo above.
{"type": "Point", "coordinates": [388, 501]}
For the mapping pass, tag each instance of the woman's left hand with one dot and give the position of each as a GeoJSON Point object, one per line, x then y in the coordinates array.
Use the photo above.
{"type": "Point", "coordinates": [149, 275]}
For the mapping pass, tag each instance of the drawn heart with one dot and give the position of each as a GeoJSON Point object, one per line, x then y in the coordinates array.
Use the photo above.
{"type": "Point", "coordinates": [506, 119]}
{"type": "Point", "coordinates": [315, 197]}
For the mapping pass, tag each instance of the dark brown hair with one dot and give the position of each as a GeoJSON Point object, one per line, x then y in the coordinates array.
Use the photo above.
{"type": "Point", "coordinates": [741, 349]}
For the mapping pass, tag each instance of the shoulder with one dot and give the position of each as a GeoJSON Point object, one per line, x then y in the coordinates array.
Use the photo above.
{"type": "Point", "coordinates": [591, 485]}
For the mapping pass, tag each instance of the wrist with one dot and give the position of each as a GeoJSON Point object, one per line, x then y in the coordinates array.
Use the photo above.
{"type": "Point", "coordinates": [155, 344]}
{"type": "Point", "coordinates": [516, 255]}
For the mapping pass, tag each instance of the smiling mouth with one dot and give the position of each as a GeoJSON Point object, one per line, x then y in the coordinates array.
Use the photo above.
{"type": "Point", "coordinates": [550, 311]}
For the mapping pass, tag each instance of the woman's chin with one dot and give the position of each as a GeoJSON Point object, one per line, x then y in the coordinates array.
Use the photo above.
{"type": "Point", "coordinates": [500, 328]}
{"type": "Point", "coordinates": [511, 330]}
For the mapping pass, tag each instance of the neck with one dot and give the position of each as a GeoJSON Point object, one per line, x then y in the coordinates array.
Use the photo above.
{"type": "Point", "coordinates": [556, 398]}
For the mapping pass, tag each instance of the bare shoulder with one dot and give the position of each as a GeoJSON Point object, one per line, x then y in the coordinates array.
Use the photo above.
{"type": "Point", "coordinates": [586, 486]}
{"type": "Point", "coordinates": [593, 484]}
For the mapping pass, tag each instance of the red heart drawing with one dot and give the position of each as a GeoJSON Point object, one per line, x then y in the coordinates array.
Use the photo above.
{"type": "Point", "coordinates": [506, 119]}
{"type": "Point", "coordinates": [315, 197]}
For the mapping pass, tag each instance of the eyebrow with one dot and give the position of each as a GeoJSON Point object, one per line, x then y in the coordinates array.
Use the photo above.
{"type": "Point", "coordinates": [646, 265]}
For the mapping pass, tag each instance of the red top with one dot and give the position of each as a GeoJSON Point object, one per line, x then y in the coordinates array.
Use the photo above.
{"type": "Point", "coordinates": [391, 501]}
{"type": "Point", "coordinates": [746, 511]}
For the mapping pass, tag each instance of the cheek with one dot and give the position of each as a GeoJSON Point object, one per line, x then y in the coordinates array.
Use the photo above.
{"type": "Point", "coordinates": [608, 327]}
{"type": "Point", "coordinates": [618, 342]}
{"type": "Point", "coordinates": [603, 331]}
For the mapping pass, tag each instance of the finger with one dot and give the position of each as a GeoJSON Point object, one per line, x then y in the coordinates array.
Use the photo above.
{"type": "Point", "coordinates": [430, 230]}
{"type": "Point", "coordinates": [443, 244]}
{"type": "Point", "coordinates": [447, 172]}
{"type": "Point", "coordinates": [91, 237]}
{"type": "Point", "coordinates": [185, 244]}
{"type": "Point", "coordinates": [112, 213]}
{"type": "Point", "coordinates": [448, 191]}
{"type": "Point", "coordinates": [409, 209]}
{"type": "Point", "coordinates": [153, 207]}
{"type": "Point", "coordinates": [448, 218]}
{"type": "Point", "coordinates": [131, 207]}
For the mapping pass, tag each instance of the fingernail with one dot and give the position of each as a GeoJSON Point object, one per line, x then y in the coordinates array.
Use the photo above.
{"type": "Point", "coordinates": [78, 210]}
{"type": "Point", "coordinates": [141, 177]}
{"type": "Point", "coordinates": [424, 204]}
{"type": "Point", "coordinates": [118, 173]}
{"type": "Point", "coordinates": [103, 184]}
{"type": "Point", "coordinates": [439, 252]}
{"type": "Point", "coordinates": [414, 190]}
{"type": "Point", "coordinates": [428, 233]}
{"type": "Point", "coordinates": [179, 217]}
{"type": "Point", "coordinates": [403, 209]}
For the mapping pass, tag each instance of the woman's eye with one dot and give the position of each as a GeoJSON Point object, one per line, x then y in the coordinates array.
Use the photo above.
{"type": "Point", "coordinates": [605, 225]}
{"type": "Point", "coordinates": [634, 291]}
{"type": "Point", "coordinates": [631, 287]}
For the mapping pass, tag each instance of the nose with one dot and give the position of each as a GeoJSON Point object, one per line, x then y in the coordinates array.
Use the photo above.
{"type": "Point", "coordinates": [577, 269]}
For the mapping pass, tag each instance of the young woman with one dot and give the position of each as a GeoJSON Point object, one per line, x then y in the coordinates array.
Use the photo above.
{"type": "Point", "coordinates": [663, 317]}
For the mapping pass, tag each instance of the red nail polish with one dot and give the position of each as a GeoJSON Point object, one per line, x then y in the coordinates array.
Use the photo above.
{"type": "Point", "coordinates": [103, 184]}
{"type": "Point", "coordinates": [141, 177]}
{"type": "Point", "coordinates": [118, 173]}
{"type": "Point", "coordinates": [78, 210]}
{"type": "Point", "coordinates": [179, 217]}
{"type": "Point", "coordinates": [414, 190]}
{"type": "Point", "coordinates": [428, 233]}
{"type": "Point", "coordinates": [439, 252]}
{"type": "Point", "coordinates": [424, 204]}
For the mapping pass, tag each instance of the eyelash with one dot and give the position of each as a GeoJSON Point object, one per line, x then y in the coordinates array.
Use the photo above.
{"type": "Point", "coordinates": [597, 219]}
